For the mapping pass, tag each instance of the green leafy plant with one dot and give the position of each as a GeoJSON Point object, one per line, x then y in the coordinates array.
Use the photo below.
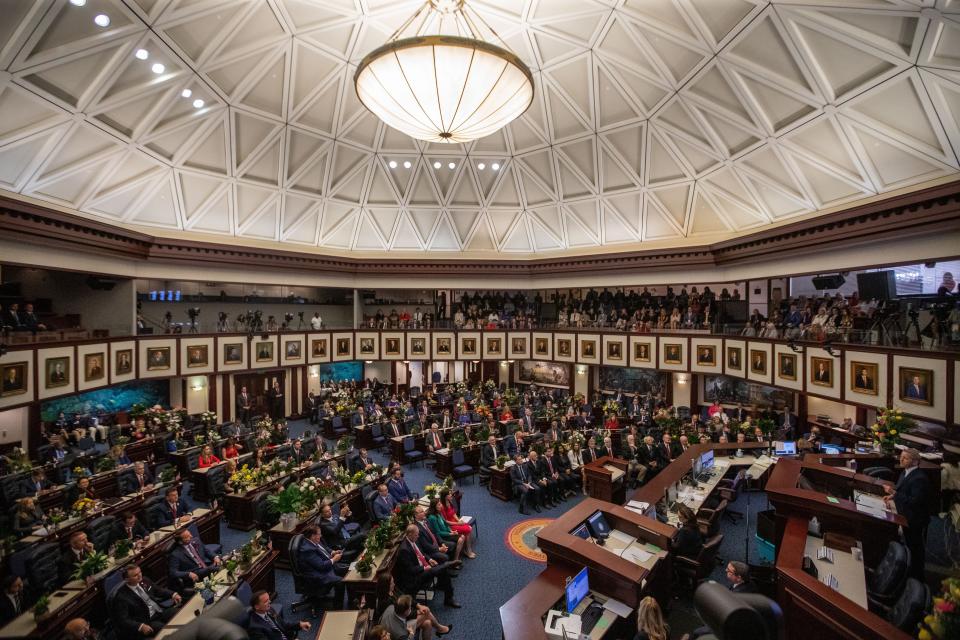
{"type": "Point", "coordinates": [18, 461]}
{"type": "Point", "coordinates": [365, 565]}
{"type": "Point", "coordinates": [289, 500]}
{"type": "Point", "coordinates": [90, 566]}
{"type": "Point", "coordinates": [358, 477]}
{"type": "Point", "coordinates": [122, 548]}
{"type": "Point", "coordinates": [106, 463]}
{"type": "Point", "coordinates": [41, 607]}
{"type": "Point", "coordinates": [121, 440]}
{"type": "Point", "coordinates": [501, 461]}
{"type": "Point", "coordinates": [168, 474]}
{"type": "Point", "coordinates": [344, 443]}
{"type": "Point", "coordinates": [199, 439]}
{"type": "Point", "coordinates": [457, 440]}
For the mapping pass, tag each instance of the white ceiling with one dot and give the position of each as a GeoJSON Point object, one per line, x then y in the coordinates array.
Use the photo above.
{"type": "Point", "coordinates": [654, 122]}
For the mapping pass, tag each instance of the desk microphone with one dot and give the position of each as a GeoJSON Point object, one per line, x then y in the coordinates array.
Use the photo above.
{"type": "Point", "coordinates": [600, 541]}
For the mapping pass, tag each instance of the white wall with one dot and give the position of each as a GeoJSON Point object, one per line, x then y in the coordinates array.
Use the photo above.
{"type": "Point", "coordinates": [197, 394]}
{"type": "Point", "coordinates": [416, 373]}
{"type": "Point", "coordinates": [836, 410]}
{"type": "Point", "coordinates": [681, 383]}
{"type": "Point", "coordinates": [382, 370]}
{"type": "Point", "coordinates": [14, 424]}
{"type": "Point", "coordinates": [580, 381]}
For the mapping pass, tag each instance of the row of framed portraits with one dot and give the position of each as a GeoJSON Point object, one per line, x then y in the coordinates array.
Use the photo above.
{"type": "Point", "coordinates": [861, 377]}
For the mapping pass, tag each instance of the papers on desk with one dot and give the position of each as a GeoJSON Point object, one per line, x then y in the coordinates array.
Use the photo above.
{"type": "Point", "coordinates": [509, 463]}
{"type": "Point", "coordinates": [638, 507]}
{"type": "Point", "coordinates": [870, 504]}
{"type": "Point", "coordinates": [443, 451]}
{"type": "Point", "coordinates": [636, 555]}
{"type": "Point", "coordinates": [615, 473]}
{"type": "Point", "coordinates": [620, 536]}
{"type": "Point", "coordinates": [617, 607]}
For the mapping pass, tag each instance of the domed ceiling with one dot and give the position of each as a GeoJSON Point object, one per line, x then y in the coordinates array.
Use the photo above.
{"type": "Point", "coordinates": [654, 122]}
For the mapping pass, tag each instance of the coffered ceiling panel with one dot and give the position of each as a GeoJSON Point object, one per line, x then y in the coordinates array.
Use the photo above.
{"type": "Point", "coordinates": [654, 122]}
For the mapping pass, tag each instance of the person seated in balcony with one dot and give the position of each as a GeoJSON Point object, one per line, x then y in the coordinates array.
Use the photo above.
{"type": "Point", "coordinates": [207, 458]}
{"type": "Point", "coordinates": [30, 320]}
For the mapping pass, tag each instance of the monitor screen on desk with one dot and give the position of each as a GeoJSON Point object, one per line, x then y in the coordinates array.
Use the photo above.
{"type": "Point", "coordinates": [706, 460]}
{"type": "Point", "coordinates": [577, 590]}
{"type": "Point", "coordinates": [831, 448]}
{"type": "Point", "coordinates": [581, 531]}
{"type": "Point", "coordinates": [598, 525]}
{"type": "Point", "coordinates": [785, 448]}
{"type": "Point", "coordinates": [697, 467]}
{"type": "Point", "coordinates": [671, 494]}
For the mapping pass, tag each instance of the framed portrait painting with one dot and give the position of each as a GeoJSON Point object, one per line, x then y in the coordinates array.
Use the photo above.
{"type": "Point", "coordinates": [758, 362]}
{"type": "Point", "coordinates": [264, 351]}
{"type": "Point", "coordinates": [735, 358]}
{"type": "Point", "coordinates": [916, 386]}
{"type": "Point", "coordinates": [787, 366]}
{"type": "Point", "coordinates": [124, 361]}
{"type": "Point", "coordinates": [93, 368]}
{"type": "Point", "coordinates": [821, 372]}
{"type": "Point", "coordinates": [707, 355]}
{"type": "Point", "coordinates": [233, 353]}
{"type": "Point", "coordinates": [158, 358]}
{"type": "Point", "coordinates": [863, 377]}
{"type": "Point", "coordinates": [14, 379]}
{"type": "Point", "coordinates": [197, 355]}
{"type": "Point", "coordinates": [673, 353]}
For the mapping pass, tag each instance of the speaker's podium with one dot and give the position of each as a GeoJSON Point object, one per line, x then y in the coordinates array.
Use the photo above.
{"type": "Point", "coordinates": [605, 479]}
{"type": "Point", "coordinates": [632, 562]}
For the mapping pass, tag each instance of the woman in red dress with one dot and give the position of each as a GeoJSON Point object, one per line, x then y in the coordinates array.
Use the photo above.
{"type": "Point", "coordinates": [449, 513]}
{"type": "Point", "coordinates": [207, 459]}
{"type": "Point", "coordinates": [231, 449]}
{"type": "Point", "coordinates": [611, 423]}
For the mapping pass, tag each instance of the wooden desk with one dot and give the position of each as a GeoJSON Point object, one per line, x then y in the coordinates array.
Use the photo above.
{"type": "Point", "coordinates": [501, 486]}
{"type": "Point", "coordinates": [375, 588]}
{"type": "Point", "coordinates": [198, 478]}
{"type": "Point", "coordinates": [605, 479]}
{"type": "Point", "coordinates": [811, 609]}
{"type": "Point", "coordinates": [839, 515]}
{"type": "Point", "coordinates": [344, 625]}
{"type": "Point", "coordinates": [239, 506]}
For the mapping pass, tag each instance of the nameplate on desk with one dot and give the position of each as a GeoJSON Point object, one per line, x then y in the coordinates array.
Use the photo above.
{"type": "Point", "coordinates": [443, 451]}
{"type": "Point", "coordinates": [831, 581]}
{"type": "Point", "coordinates": [825, 554]}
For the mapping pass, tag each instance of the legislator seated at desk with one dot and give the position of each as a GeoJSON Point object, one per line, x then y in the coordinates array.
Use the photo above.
{"type": "Point", "coordinates": [191, 561]}
{"type": "Point", "coordinates": [264, 623]}
{"type": "Point", "coordinates": [139, 607]}
{"type": "Point", "coordinates": [320, 566]}
{"type": "Point", "coordinates": [172, 508]}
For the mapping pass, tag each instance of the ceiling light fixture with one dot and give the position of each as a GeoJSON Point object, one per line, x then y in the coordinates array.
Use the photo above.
{"type": "Point", "coordinates": [481, 166]}
{"type": "Point", "coordinates": [142, 54]}
{"type": "Point", "coordinates": [158, 68]}
{"type": "Point", "coordinates": [495, 166]}
{"type": "Point", "coordinates": [436, 165]}
{"type": "Point", "coordinates": [102, 20]}
{"type": "Point", "coordinates": [407, 165]}
{"type": "Point", "coordinates": [393, 164]}
{"type": "Point", "coordinates": [432, 83]}
{"type": "Point", "coordinates": [198, 104]}
{"type": "Point", "coordinates": [186, 93]}
{"type": "Point", "coordinates": [78, 3]}
{"type": "Point", "coordinates": [452, 165]}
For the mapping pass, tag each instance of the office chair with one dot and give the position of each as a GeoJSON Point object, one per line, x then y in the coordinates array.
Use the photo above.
{"type": "Point", "coordinates": [880, 473]}
{"type": "Point", "coordinates": [693, 571]}
{"type": "Point", "coordinates": [460, 467]}
{"type": "Point", "coordinates": [911, 606]}
{"type": "Point", "coordinates": [266, 517]}
{"type": "Point", "coordinates": [886, 581]}
{"type": "Point", "coordinates": [194, 530]}
{"type": "Point", "coordinates": [153, 512]}
{"type": "Point", "coordinates": [217, 623]}
{"type": "Point", "coordinates": [377, 438]}
{"type": "Point", "coordinates": [127, 482]}
{"type": "Point", "coordinates": [729, 489]}
{"type": "Point", "coordinates": [42, 567]}
{"type": "Point", "coordinates": [410, 453]}
{"type": "Point", "coordinates": [338, 428]}
{"type": "Point", "coordinates": [301, 584]}
{"type": "Point", "coordinates": [216, 483]}
{"type": "Point", "coordinates": [736, 615]}
{"type": "Point", "coordinates": [111, 583]}
{"type": "Point", "coordinates": [100, 532]}
{"type": "Point", "coordinates": [708, 520]}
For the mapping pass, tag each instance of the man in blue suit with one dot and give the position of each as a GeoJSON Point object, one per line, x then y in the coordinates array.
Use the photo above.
{"type": "Point", "coordinates": [317, 563]}
{"type": "Point", "coordinates": [264, 623]}
{"type": "Point", "coordinates": [383, 504]}
{"type": "Point", "coordinates": [398, 488]}
{"type": "Point", "coordinates": [910, 495]}
{"type": "Point", "coordinates": [191, 561]}
{"type": "Point", "coordinates": [174, 507]}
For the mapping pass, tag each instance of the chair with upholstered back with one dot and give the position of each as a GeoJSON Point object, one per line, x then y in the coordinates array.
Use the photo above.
{"type": "Point", "coordinates": [729, 489]}
{"type": "Point", "coordinates": [693, 571]}
{"type": "Point", "coordinates": [460, 467]}
{"type": "Point", "coordinates": [153, 512]}
{"type": "Point", "coordinates": [410, 452]}
{"type": "Point", "coordinates": [42, 567]}
{"type": "Point", "coordinates": [111, 583]}
{"type": "Point", "coordinates": [885, 582]}
{"type": "Point", "coordinates": [194, 530]}
{"type": "Point", "coordinates": [338, 428]}
{"type": "Point", "coordinates": [709, 519]}
{"type": "Point", "coordinates": [301, 584]}
{"type": "Point", "coordinates": [880, 473]}
{"type": "Point", "coordinates": [376, 437]}
{"type": "Point", "coordinates": [127, 482]}
{"type": "Point", "coordinates": [911, 606]}
{"type": "Point", "coordinates": [100, 532]}
{"type": "Point", "coordinates": [193, 458]}
{"type": "Point", "coordinates": [265, 516]}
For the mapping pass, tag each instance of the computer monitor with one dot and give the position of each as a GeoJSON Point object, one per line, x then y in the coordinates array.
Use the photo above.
{"type": "Point", "coordinates": [581, 531]}
{"type": "Point", "coordinates": [697, 467]}
{"type": "Point", "coordinates": [706, 460]}
{"type": "Point", "coordinates": [671, 494]}
{"type": "Point", "coordinates": [577, 590]}
{"type": "Point", "coordinates": [831, 448]}
{"type": "Point", "coordinates": [598, 526]}
{"type": "Point", "coordinates": [788, 448]}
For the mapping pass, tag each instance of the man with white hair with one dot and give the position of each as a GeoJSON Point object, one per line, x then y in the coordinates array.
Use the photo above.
{"type": "Point", "coordinates": [910, 495]}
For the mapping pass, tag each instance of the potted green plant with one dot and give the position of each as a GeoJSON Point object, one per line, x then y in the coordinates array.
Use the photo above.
{"type": "Point", "coordinates": [41, 607]}
{"type": "Point", "coordinates": [501, 461]}
{"type": "Point", "coordinates": [365, 566]}
{"type": "Point", "coordinates": [122, 548]}
{"type": "Point", "coordinates": [106, 463]}
{"type": "Point", "coordinates": [90, 566]}
{"type": "Point", "coordinates": [231, 567]}
{"type": "Point", "coordinates": [345, 444]}
{"type": "Point", "coordinates": [287, 502]}
{"type": "Point", "coordinates": [457, 440]}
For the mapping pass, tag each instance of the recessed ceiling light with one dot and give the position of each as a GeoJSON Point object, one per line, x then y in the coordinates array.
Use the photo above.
{"type": "Point", "coordinates": [102, 20]}
{"type": "Point", "coordinates": [142, 54]}
{"type": "Point", "coordinates": [436, 165]}
{"type": "Point", "coordinates": [393, 164]}
{"type": "Point", "coordinates": [406, 164]}
{"type": "Point", "coordinates": [495, 166]}
{"type": "Point", "coordinates": [158, 68]}
{"type": "Point", "coordinates": [186, 93]}
{"type": "Point", "coordinates": [452, 165]}
{"type": "Point", "coordinates": [198, 104]}
{"type": "Point", "coordinates": [78, 3]}
{"type": "Point", "coordinates": [481, 166]}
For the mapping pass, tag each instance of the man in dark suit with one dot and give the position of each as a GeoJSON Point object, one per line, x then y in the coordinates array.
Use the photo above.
{"type": "Point", "coordinates": [788, 425]}
{"type": "Point", "coordinates": [590, 452]}
{"type": "Point", "coordinates": [137, 607]}
{"type": "Point", "coordinates": [362, 462]}
{"type": "Point", "coordinates": [340, 534]}
{"type": "Point", "coordinates": [321, 566]}
{"type": "Point", "coordinates": [263, 623]}
{"type": "Point", "coordinates": [189, 560]}
{"type": "Point", "coordinates": [275, 397]}
{"type": "Point", "coordinates": [127, 527]}
{"type": "Point", "coordinates": [650, 457]}
{"type": "Point", "coordinates": [140, 480]}
{"type": "Point", "coordinates": [525, 485]}
{"type": "Point", "coordinates": [359, 419]}
{"type": "Point", "coordinates": [559, 463]}
{"type": "Point", "coordinates": [30, 319]}
{"type": "Point", "coordinates": [77, 551]}
{"type": "Point", "coordinates": [415, 570]}
{"type": "Point", "coordinates": [174, 507]}
{"type": "Point", "coordinates": [489, 453]}
{"type": "Point", "coordinates": [12, 602]}
{"type": "Point", "coordinates": [553, 489]}
{"type": "Point", "coordinates": [244, 401]}
{"type": "Point", "coordinates": [36, 484]}
{"type": "Point", "coordinates": [431, 545]}
{"type": "Point", "coordinates": [915, 389]}
{"type": "Point", "coordinates": [397, 487]}
{"type": "Point", "coordinates": [383, 504]}
{"type": "Point", "coordinates": [910, 495]}
{"type": "Point", "coordinates": [738, 574]}
{"type": "Point", "coordinates": [434, 439]}
{"type": "Point", "coordinates": [393, 429]}
{"type": "Point", "coordinates": [297, 454]}
{"type": "Point", "coordinates": [669, 450]}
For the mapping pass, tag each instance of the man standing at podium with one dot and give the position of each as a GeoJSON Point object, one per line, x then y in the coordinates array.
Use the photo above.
{"type": "Point", "coordinates": [910, 497]}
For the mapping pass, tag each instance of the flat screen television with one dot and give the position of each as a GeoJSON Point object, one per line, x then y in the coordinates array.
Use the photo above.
{"type": "Point", "coordinates": [577, 590]}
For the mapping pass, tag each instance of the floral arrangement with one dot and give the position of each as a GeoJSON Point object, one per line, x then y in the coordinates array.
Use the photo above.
{"type": "Point", "coordinates": [212, 436]}
{"type": "Point", "coordinates": [342, 477]}
{"type": "Point", "coordinates": [121, 440]}
{"type": "Point", "coordinates": [81, 472]}
{"type": "Point", "coordinates": [167, 475]}
{"type": "Point", "coordinates": [489, 385]}
{"type": "Point", "coordinates": [345, 406]}
{"type": "Point", "coordinates": [365, 565]}
{"type": "Point", "coordinates": [208, 417]}
{"type": "Point", "coordinates": [667, 420]}
{"type": "Point", "coordinates": [18, 461]}
{"type": "Point", "coordinates": [767, 425]}
{"type": "Point", "coordinates": [576, 437]}
{"type": "Point", "coordinates": [199, 439]}
{"type": "Point", "coordinates": [83, 506]}
{"type": "Point", "coordinates": [457, 440]}
{"type": "Point", "coordinates": [106, 463]}
{"type": "Point", "coordinates": [90, 566]}
{"type": "Point", "coordinates": [358, 477]}
{"type": "Point", "coordinates": [890, 425]}
{"type": "Point", "coordinates": [944, 622]}
{"type": "Point", "coordinates": [403, 515]}
{"type": "Point", "coordinates": [310, 489]}
{"type": "Point", "coordinates": [209, 584]}
{"type": "Point", "coordinates": [375, 470]}
{"type": "Point", "coordinates": [245, 477]}
{"type": "Point", "coordinates": [577, 399]}
{"type": "Point", "coordinates": [432, 490]}
{"type": "Point", "coordinates": [345, 443]}
{"type": "Point", "coordinates": [264, 423]}
{"type": "Point", "coordinates": [56, 516]}
{"type": "Point", "coordinates": [611, 407]}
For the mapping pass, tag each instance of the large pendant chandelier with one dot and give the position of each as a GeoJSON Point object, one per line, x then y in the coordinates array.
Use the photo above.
{"type": "Point", "coordinates": [440, 78]}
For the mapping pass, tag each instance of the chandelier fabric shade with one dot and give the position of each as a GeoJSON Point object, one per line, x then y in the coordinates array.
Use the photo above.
{"type": "Point", "coordinates": [444, 88]}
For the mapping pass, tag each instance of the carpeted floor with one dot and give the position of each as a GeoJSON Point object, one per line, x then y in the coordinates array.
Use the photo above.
{"type": "Point", "coordinates": [497, 574]}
